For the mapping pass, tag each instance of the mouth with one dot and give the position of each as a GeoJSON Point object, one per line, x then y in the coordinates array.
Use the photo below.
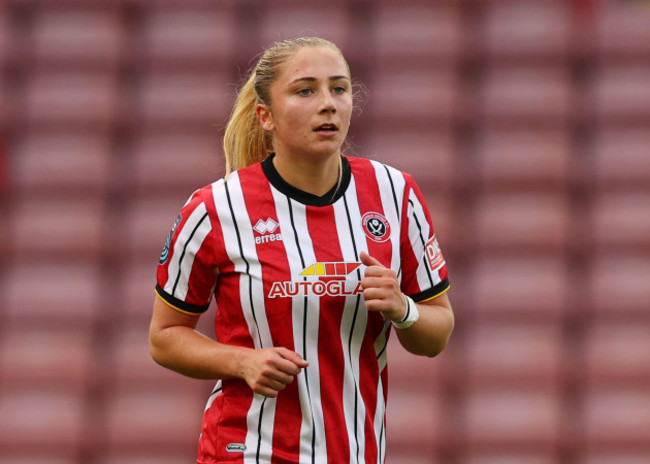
{"type": "Point", "coordinates": [326, 128]}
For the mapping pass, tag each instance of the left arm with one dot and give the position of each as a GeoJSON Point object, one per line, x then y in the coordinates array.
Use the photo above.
{"type": "Point", "coordinates": [381, 291]}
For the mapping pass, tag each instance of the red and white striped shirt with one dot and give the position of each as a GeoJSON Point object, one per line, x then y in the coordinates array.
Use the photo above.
{"type": "Point", "coordinates": [284, 267]}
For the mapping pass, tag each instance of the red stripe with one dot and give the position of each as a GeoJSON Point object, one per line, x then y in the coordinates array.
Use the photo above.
{"type": "Point", "coordinates": [330, 269]}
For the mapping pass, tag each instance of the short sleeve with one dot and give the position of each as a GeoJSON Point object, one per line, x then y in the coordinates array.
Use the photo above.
{"type": "Point", "coordinates": [424, 269]}
{"type": "Point", "coordinates": [186, 275]}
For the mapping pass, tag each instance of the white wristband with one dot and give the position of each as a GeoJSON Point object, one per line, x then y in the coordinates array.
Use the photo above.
{"type": "Point", "coordinates": [410, 316]}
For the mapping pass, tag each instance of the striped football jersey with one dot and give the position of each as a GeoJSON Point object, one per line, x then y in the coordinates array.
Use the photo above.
{"type": "Point", "coordinates": [284, 268]}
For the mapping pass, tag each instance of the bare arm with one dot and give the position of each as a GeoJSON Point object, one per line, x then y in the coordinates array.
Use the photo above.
{"type": "Point", "coordinates": [430, 334]}
{"type": "Point", "coordinates": [175, 344]}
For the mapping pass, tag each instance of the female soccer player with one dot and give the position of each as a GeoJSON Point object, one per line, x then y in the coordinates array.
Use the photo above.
{"type": "Point", "coordinates": [313, 257]}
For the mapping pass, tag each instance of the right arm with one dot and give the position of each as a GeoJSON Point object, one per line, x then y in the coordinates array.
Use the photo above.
{"type": "Point", "coordinates": [175, 343]}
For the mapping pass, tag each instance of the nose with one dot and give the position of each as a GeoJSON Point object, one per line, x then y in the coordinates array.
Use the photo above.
{"type": "Point", "coordinates": [327, 104]}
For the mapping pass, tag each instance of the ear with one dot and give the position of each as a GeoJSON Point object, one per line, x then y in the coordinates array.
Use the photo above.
{"type": "Point", "coordinates": [265, 117]}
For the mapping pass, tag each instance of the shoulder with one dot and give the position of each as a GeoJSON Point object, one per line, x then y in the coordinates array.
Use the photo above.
{"type": "Point", "coordinates": [382, 171]}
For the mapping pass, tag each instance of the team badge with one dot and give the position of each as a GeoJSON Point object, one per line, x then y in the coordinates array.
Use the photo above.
{"type": "Point", "coordinates": [376, 226]}
{"type": "Point", "coordinates": [165, 253]}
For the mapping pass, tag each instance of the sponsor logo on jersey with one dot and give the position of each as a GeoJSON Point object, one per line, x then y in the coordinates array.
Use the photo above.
{"type": "Point", "coordinates": [375, 226]}
{"type": "Point", "coordinates": [434, 254]}
{"type": "Point", "coordinates": [165, 253]}
{"type": "Point", "coordinates": [235, 447]}
{"type": "Point", "coordinates": [266, 230]}
{"type": "Point", "coordinates": [336, 285]}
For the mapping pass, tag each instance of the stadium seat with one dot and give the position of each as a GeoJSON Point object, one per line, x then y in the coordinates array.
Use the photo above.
{"type": "Point", "coordinates": [616, 416]}
{"type": "Point", "coordinates": [520, 287]}
{"type": "Point", "coordinates": [42, 457]}
{"type": "Point", "coordinates": [508, 354]}
{"type": "Point", "coordinates": [150, 456]}
{"type": "Point", "coordinates": [63, 162]}
{"type": "Point", "coordinates": [620, 157]}
{"type": "Point", "coordinates": [621, 221]}
{"type": "Point", "coordinates": [625, 455]}
{"type": "Point", "coordinates": [5, 46]}
{"type": "Point", "coordinates": [434, 33]}
{"type": "Point", "coordinates": [523, 30]}
{"type": "Point", "coordinates": [202, 35]}
{"type": "Point", "coordinates": [201, 100]}
{"type": "Point", "coordinates": [519, 419]}
{"type": "Point", "coordinates": [618, 283]}
{"type": "Point", "coordinates": [68, 98]}
{"type": "Point", "coordinates": [92, 35]}
{"type": "Point", "coordinates": [53, 292]}
{"type": "Point", "coordinates": [617, 352]}
{"type": "Point", "coordinates": [620, 94]}
{"type": "Point", "coordinates": [524, 159]}
{"type": "Point", "coordinates": [522, 220]}
{"type": "Point", "coordinates": [41, 419]}
{"type": "Point", "coordinates": [47, 354]}
{"type": "Point", "coordinates": [63, 226]}
{"type": "Point", "coordinates": [622, 30]}
{"type": "Point", "coordinates": [407, 372]}
{"type": "Point", "coordinates": [526, 95]}
{"type": "Point", "coordinates": [176, 162]}
{"type": "Point", "coordinates": [508, 457]}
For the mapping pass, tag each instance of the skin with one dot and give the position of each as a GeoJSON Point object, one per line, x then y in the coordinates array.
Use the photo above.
{"type": "Point", "coordinates": [312, 89]}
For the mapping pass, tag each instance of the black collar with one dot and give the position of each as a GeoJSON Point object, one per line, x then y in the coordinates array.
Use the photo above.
{"type": "Point", "coordinates": [300, 195]}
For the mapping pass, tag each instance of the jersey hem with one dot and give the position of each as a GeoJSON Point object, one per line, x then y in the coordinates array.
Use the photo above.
{"type": "Point", "coordinates": [432, 293]}
{"type": "Point", "coordinates": [180, 305]}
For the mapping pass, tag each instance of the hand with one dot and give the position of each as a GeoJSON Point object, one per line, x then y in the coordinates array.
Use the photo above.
{"type": "Point", "coordinates": [269, 370]}
{"type": "Point", "coordinates": [381, 289]}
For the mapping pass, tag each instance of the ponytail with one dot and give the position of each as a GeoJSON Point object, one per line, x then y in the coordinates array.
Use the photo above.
{"type": "Point", "coordinates": [244, 141]}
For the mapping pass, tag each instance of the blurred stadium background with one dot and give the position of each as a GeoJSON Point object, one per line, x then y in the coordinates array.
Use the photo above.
{"type": "Point", "coordinates": [527, 124]}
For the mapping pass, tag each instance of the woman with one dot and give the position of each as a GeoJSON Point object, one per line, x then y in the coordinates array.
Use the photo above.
{"type": "Point", "coordinates": [312, 258]}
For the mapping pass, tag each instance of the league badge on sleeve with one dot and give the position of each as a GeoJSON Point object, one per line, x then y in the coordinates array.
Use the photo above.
{"type": "Point", "coordinates": [434, 254]}
{"type": "Point", "coordinates": [165, 253]}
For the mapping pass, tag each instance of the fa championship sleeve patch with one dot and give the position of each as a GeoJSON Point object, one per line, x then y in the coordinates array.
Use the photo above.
{"type": "Point", "coordinates": [165, 253]}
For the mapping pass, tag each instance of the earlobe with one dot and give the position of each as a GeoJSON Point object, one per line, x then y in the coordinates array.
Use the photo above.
{"type": "Point", "coordinates": [265, 117]}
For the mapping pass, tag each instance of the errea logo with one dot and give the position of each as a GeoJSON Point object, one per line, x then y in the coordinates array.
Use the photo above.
{"type": "Point", "coordinates": [266, 229]}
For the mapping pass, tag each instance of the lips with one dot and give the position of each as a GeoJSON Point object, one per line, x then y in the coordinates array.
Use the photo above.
{"type": "Point", "coordinates": [327, 127]}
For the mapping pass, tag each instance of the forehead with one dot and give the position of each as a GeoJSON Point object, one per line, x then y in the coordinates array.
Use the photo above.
{"type": "Point", "coordinates": [318, 62]}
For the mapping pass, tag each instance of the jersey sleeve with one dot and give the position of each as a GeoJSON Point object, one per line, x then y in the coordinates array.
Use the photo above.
{"type": "Point", "coordinates": [186, 276]}
{"type": "Point", "coordinates": [424, 269]}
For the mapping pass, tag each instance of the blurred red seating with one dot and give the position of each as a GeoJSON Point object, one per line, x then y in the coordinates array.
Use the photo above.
{"type": "Point", "coordinates": [520, 287]}
{"type": "Point", "coordinates": [625, 455]}
{"type": "Point", "coordinates": [519, 419]}
{"type": "Point", "coordinates": [617, 352]}
{"type": "Point", "coordinates": [524, 158]}
{"type": "Point", "coordinates": [36, 457]}
{"type": "Point", "coordinates": [620, 94]}
{"type": "Point", "coordinates": [508, 354]}
{"type": "Point", "coordinates": [622, 30]}
{"type": "Point", "coordinates": [53, 292]}
{"type": "Point", "coordinates": [201, 99]}
{"type": "Point", "coordinates": [69, 99]}
{"type": "Point", "coordinates": [41, 418]}
{"type": "Point", "coordinates": [176, 162]}
{"type": "Point", "coordinates": [621, 220]}
{"type": "Point", "coordinates": [526, 95]}
{"type": "Point", "coordinates": [150, 456]}
{"type": "Point", "coordinates": [509, 457]}
{"type": "Point", "coordinates": [522, 220]}
{"type": "Point", "coordinates": [434, 32]}
{"type": "Point", "coordinates": [93, 34]}
{"type": "Point", "coordinates": [617, 416]}
{"type": "Point", "coordinates": [201, 34]}
{"type": "Point", "coordinates": [524, 30]}
{"type": "Point", "coordinates": [618, 283]}
{"type": "Point", "coordinates": [62, 226]}
{"type": "Point", "coordinates": [620, 157]}
{"type": "Point", "coordinates": [63, 162]}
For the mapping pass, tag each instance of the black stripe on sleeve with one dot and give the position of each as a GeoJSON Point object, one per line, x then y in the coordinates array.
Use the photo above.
{"type": "Point", "coordinates": [180, 304]}
{"type": "Point", "coordinates": [432, 292]}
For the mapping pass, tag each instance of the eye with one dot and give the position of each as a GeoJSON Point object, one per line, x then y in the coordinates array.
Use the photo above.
{"type": "Point", "coordinates": [338, 90]}
{"type": "Point", "coordinates": [305, 92]}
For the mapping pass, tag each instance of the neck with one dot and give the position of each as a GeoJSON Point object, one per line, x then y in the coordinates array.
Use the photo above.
{"type": "Point", "coordinates": [312, 176]}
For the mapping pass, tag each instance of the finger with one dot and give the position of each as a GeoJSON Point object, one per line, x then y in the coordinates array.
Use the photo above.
{"type": "Point", "coordinates": [369, 260]}
{"type": "Point", "coordinates": [294, 357]}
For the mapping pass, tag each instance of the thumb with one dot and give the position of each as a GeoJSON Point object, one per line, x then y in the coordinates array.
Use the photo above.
{"type": "Point", "coordinates": [369, 260]}
{"type": "Point", "coordinates": [294, 358]}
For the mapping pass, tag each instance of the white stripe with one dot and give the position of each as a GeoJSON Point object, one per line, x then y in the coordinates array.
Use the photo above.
{"type": "Point", "coordinates": [423, 271]}
{"type": "Point", "coordinates": [380, 423]}
{"type": "Point", "coordinates": [249, 284]}
{"type": "Point", "coordinates": [184, 267]}
{"type": "Point", "coordinates": [352, 392]}
{"type": "Point", "coordinates": [306, 345]}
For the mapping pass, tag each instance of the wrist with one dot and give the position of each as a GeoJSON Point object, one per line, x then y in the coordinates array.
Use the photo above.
{"type": "Point", "coordinates": [411, 314]}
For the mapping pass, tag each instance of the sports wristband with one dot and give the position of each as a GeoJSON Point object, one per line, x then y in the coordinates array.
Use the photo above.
{"type": "Point", "coordinates": [410, 317]}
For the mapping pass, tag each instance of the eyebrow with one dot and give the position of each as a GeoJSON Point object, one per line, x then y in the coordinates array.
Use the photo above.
{"type": "Point", "coordinates": [313, 79]}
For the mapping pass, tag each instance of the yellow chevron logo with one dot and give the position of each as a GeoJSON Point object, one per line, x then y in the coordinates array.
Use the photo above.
{"type": "Point", "coordinates": [330, 269]}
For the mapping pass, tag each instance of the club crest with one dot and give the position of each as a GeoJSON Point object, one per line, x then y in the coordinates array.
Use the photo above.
{"type": "Point", "coordinates": [375, 226]}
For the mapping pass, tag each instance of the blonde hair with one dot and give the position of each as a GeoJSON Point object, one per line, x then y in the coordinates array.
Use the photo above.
{"type": "Point", "coordinates": [245, 142]}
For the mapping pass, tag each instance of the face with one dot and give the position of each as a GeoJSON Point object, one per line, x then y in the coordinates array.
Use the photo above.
{"type": "Point", "coordinates": [311, 104]}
